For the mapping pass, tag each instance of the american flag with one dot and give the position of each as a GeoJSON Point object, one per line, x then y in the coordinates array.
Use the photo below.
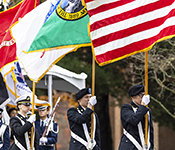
{"type": "Point", "coordinates": [121, 28]}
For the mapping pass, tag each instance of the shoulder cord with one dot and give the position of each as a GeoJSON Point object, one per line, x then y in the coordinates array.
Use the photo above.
{"type": "Point", "coordinates": [51, 127]}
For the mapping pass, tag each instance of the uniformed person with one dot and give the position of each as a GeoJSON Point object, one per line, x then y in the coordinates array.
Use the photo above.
{"type": "Point", "coordinates": [133, 121]}
{"type": "Point", "coordinates": [12, 112]}
{"type": "Point", "coordinates": [48, 142]}
{"type": "Point", "coordinates": [4, 134]}
{"type": "Point", "coordinates": [80, 123]}
{"type": "Point", "coordinates": [21, 126]}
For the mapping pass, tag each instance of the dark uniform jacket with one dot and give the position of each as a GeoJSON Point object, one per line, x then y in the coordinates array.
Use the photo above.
{"type": "Point", "coordinates": [51, 138]}
{"type": "Point", "coordinates": [75, 122]}
{"type": "Point", "coordinates": [5, 137]}
{"type": "Point", "coordinates": [130, 120]}
{"type": "Point", "coordinates": [18, 130]}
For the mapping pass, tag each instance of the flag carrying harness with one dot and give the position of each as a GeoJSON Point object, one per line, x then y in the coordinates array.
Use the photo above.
{"type": "Point", "coordinates": [17, 143]}
{"type": "Point", "coordinates": [87, 143]}
{"type": "Point", "coordinates": [141, 135]}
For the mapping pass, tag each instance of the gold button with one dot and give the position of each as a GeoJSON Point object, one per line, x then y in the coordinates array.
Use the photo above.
{"type": "Point", "coordinates": [74, 141]}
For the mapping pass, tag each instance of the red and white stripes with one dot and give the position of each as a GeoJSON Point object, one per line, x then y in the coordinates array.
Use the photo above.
{"type": "Point", "coordinates": [120, 28]}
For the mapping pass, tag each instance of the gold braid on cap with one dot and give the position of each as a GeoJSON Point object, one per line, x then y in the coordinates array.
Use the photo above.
{"type": "Point", "coordinates": [24, 102]}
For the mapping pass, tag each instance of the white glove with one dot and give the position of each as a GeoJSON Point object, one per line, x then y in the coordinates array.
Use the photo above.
{"type": "Point", "coordinates": [93, 100]}
{"type": "Point", "coordinates": [43, 140]}
{"type": "Point", "coordinates": [32, 118]}
{"type": "Point", "coordinates": [146, 99]}
{"type": "Point", "coordinates": [90, 144]}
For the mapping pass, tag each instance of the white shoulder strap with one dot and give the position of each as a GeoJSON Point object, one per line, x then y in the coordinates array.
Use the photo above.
{"type": "Point", "coordinates": [87, 143]}
{"type": "Point", "coordinates": [94, 125]}
{"type": "Point", "coordinates": [2, 130]}
{"type": "Point", "coordinates": [82, 141]}
{"type": "Point", "coordinates": [18, 144]}
{"type": "Point", "coordinates": [140, 129]}
{"type": "Point", "coordinates": [132, 139]}
{"type": "Point", "coordinates": [25, 134]}
{"type": "Point", "coordinates": [86, 129]}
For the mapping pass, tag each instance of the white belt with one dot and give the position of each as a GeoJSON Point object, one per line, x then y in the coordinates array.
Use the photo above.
{"type": "Point", "coordinates": [79, 139]}
{"type": "Point", "coordinates": [18, 144]}
{"type": "Point", "coordinates": [82, 141]}
{"type": "Point", "coordinates": [1, 145]}
{"type": "Point", "coordinates": [141, 135]}
{"type": "Point", "coordinates": [132, 139]}
{"type": "Point", "coordinates": [26, 136]}
{"type": "Point", "coordinates": [90, 142]}
{"type": "Point", "coordinates": [45, 144]}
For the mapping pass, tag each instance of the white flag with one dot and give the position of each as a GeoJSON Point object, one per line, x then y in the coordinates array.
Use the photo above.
{"type": "Point", "coordinates": [12, 73]}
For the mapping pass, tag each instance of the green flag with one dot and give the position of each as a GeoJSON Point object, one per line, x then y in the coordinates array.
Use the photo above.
{"type": "Point", "coordinates": [49, 32]}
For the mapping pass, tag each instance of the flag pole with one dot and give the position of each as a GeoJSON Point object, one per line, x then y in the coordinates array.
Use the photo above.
{"type": "Point", "coordinates": [93, 93]}
{"type": "Point", "coordinates": [15, 81]}
{"type": "Point", "coordinates": [146, 93]}
{"type": "Point", "coordinates": [33, 102]}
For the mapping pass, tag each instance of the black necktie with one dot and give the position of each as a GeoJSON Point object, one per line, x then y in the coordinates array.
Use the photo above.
{"type": "Point", "coordinates": [42, 124]}
{"type": "Point", "coordinates": [25, 119]}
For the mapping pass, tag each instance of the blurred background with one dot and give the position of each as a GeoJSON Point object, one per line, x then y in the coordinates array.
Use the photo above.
{"type": "Point", "coordinates": [111, 88]}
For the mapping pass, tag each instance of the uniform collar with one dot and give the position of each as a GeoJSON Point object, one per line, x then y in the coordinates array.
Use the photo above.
{"type": "Point", "coordinates": [80, 108]}
{"type": "Point", "coordinates": [22, 117]}
{"type": "Point", "coordinates": [134, 104]}
{"type": "Point", "coordinates": [45, 121]}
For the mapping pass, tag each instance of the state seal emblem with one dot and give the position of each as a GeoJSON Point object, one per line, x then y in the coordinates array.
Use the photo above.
{"type": "Point", "coordinates": [71, 9]}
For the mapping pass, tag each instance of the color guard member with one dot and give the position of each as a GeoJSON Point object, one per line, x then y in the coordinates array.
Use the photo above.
{"type": "Point", "coordinates": [4, 134]}
{"type": "Point", "coordinates": [21, 126]}
{"type": "Point", "coordinates": [80, 123]}
{"type": "Point", "coordinates": [48, 142]}
{"type": "Point", "coordinates": [133, 121]}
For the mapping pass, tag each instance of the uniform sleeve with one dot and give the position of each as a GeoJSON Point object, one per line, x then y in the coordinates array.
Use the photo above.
{"type": "Point", "coordinates": [52, 138]}
{"type": "Point", "coordinates": [130, 117]}
{"type": "Point", "coordinates": [17, 128]}
{"type": "Point", "coordinates": [78, 118]}
{"type": "Point", "coordinates": [6, 139]}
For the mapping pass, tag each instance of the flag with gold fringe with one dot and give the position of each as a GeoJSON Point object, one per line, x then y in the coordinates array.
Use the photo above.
{"type": "Point", "coordinates": [120, 29]}
{"type": "Point", "coordinates": [49, 32]}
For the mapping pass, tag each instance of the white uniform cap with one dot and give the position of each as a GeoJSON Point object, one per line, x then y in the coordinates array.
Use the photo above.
{"type": "Point", "coordinates": [23, 99]}
{"type": "Point", "coordinates": [42, 107]}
